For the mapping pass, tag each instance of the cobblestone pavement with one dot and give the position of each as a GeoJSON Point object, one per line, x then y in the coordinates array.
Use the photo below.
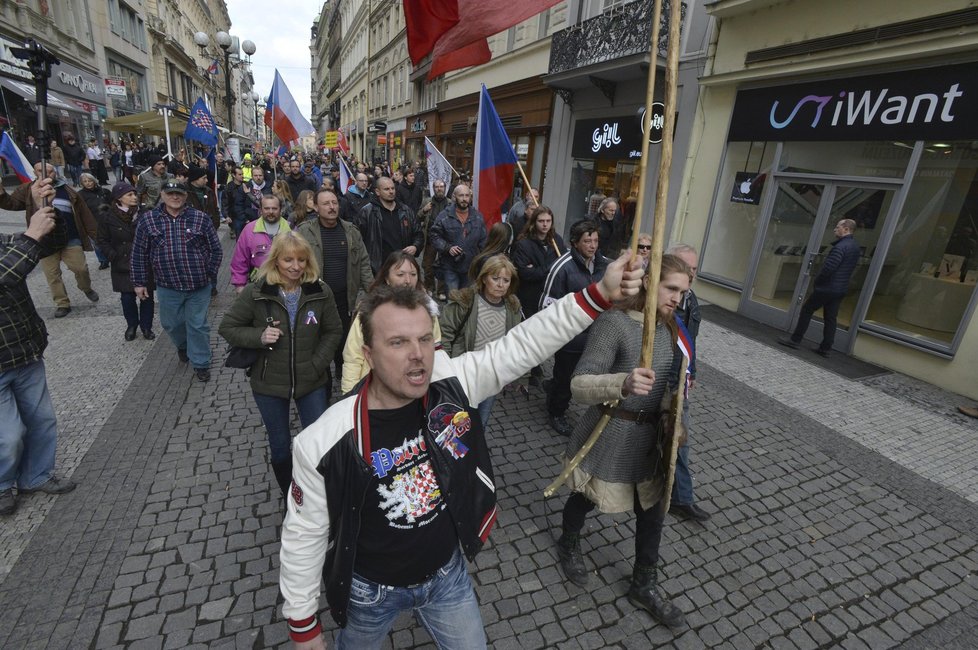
{"type": "Point", "coordinates": [821, 537]}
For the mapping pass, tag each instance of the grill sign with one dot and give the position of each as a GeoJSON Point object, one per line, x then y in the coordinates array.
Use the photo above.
{"type": "Point", "coordinates": [929, 104]}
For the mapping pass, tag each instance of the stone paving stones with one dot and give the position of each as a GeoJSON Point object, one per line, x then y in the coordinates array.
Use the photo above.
{"type": "Point", "coordinates": [816, 540]}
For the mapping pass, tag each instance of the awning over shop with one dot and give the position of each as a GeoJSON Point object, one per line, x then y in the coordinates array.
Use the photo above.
{"type": "Point", "coordinates": [26, 90]}
{"type": "Point", "coordinates": [150, 123]}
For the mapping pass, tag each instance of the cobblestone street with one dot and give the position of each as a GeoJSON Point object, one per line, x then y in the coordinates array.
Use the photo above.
{"type": "Point", "coordinates": [844, 514]}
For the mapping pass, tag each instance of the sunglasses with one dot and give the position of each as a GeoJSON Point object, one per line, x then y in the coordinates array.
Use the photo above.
{"type": "Point", "coordinates": [643, 247]}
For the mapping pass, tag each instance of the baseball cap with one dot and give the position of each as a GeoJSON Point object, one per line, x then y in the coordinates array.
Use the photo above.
{"type": "Point", "coordinates": [173, 186]}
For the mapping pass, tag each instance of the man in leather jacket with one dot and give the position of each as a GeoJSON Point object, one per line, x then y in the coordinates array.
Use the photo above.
{"type": "Point", "coordinates": [388, 225]}
{"type": "Point", "coordinates": [394, 484]}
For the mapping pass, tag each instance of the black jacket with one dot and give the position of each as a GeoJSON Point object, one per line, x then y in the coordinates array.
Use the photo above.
{"type": "Point", "coordinates": [237, 204]}
{"type": "Point", "coordinates": [24, 335]}
{"type": "Point", "coordinates": [567, 275]}
{"type": "Point", "coordinates": [410, 195]}
{"type": "Point", "coordinates": [533, 259]}
{"type": "Point", "coordinates": [115, 235]}
{"type": "Point", "coordinates": [689, 314]}
{"type": "Point", "coordinates": [74, 154]}
{"type": "Point", "coordinates": [370, 223]}
{"type": "Point", "coordinates": [471, 501]}
{"type": "Point", "coordinates": [611, 235]}
{"type": "Point", "coordinates": [839, 265]}
{"type": "Point", "coordinates": [296, 185]}
{"type": "Point", "coordinates": [95, 199]}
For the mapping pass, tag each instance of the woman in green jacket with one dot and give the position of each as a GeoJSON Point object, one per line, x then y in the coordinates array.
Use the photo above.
{"type": "Point", "coordinates": [481, 313]}
{"type": "Point", "coordinates": [288, 314]}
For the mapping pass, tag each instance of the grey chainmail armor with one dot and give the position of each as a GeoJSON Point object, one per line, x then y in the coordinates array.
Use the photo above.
{"type": "Point", "coordinates": [622, 454]}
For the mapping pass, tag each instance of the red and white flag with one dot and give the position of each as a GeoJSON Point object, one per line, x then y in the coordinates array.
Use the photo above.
{"type": "Point", "coordinates": [464, 43]}
{"type": "Point", "coordinates": [426, 21]}
{"type": "Point", "coordinates": [341, 142]}
{"type": "Point", "coordinates": [346, 177]}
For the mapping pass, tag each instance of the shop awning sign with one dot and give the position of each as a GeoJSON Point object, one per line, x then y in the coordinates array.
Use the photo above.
{"type": "Point", "coordinates": [617, 138]}
{"type": "Point", "coordinates": [924, 104]}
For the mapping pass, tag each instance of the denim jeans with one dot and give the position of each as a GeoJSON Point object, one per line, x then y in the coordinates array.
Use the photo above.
{"type": "Point", "coordinates": [682, 486]}
{"type": "Point", "coordinates": [445, 605]}
{"type": "Point", "coordinates": [138, 313]}
{"type": "Point", "coordinates": [183, 314]}
{"type": "Point", "coordinates": [28, 427]}
{"type": "Point", "coordinates": [485, 411]}
{"type": "Point", "coordinates": [75, 171]}
{"type": "Point", "coordinates": [275, 415]}
{"type": "Point", "coordinates": [452, 280]}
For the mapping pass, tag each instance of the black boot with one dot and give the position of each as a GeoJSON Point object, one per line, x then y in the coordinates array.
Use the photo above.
{"type": "Point", "coordinates": [571, 558]}
{"type": "Point", "coordinates": [644, 592]}
{"type": "Point", "coordinates": [283, 475]}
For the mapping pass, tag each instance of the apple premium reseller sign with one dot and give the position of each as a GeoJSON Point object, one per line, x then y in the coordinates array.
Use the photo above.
{"type": "Point", "coordinates": [924, 104]}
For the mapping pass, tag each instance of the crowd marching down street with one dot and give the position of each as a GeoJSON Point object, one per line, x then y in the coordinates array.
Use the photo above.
{"type": "Point", "coordinates": [389, 305]}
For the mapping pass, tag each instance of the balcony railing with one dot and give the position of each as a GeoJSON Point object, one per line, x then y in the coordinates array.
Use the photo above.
{"type": "Point", "coordinates": [615, 34]}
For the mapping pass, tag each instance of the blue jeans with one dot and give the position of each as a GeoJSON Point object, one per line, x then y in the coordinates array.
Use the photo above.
{"type": "Point", "coordinates": [453, 280]}
{"type": "Point", "coordinates": [75, 171]}
{"type": "Point", "coordinates": [28, 427]}
{"type": "Point", "coordinates": [682, 486]}
{"type": "Point", "coordinates": [183, 314]}
{"type": "Point", "coordinates": [138, 313]}
{"type": "Point", "coordinates": [446, 605]}
{"type": "Point", "coordinates": [485, 411]}
{"type": "Point", "coordinates": [275, 415]}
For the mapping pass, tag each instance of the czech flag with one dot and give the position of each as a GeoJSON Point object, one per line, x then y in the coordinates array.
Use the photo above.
{"type": "Point", "coordinates": [495, 161]}
{"type": "Point", "coordinates": [16, 159]}
{"type": "Point", "coordinates": [283, 116]}
{"type": "Point", "coordinates": [346, 177]}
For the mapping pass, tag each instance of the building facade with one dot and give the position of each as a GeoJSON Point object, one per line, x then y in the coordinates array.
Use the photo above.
{"type": "Point", "coordinates": [354, 73]}
{"type": "Point", "coordinates": [811, 113]}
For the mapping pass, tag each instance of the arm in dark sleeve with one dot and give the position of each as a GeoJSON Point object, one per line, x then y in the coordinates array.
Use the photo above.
{"type": "Point", "coordinates": [437, 235]}
{"type": "Point", "coordinates": [524, 263]}
{"type": "Point", "coordinates": [217, 253]}
{"type": "Point", "coordinates": [330, 333]}
{"type": "Point", "coordinates": [417, 233]}
{"type": "Point", "coordinates": [832, 262]}
{"type": "Point", "coordinates": [139, 255]}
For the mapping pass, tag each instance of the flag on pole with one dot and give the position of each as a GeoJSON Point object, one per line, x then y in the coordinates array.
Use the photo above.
{"type": "Point", "coordinates": [346, 177]}
{"type": "Point", "coordinates": [200, 126]}
{"type": "Point", "coordinates": [426, 21]}
{"type": "Point", "coordinates": [463, 43]}
{"type": "Point", "coordinates": [495, 160]}
{"type": "Point", "coordinates": [15, 158]}
{"type": "Point", "coordinates": [283, 116]}
{"type": "Point", "coordinates": [438, 167]}
{"type": "Point", "coordinates": [213, 67]}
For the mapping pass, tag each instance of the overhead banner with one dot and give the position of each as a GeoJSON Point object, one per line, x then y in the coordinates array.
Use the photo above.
{"type": "Point", "coordinates": [924, 104]}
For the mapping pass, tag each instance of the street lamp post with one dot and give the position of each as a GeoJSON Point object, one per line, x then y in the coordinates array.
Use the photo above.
{"type": "Point", "coordinates": [224, 41]}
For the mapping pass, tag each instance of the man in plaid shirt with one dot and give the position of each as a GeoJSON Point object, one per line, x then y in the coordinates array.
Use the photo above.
{"type": "Point", "coordinates": [180, 246]}
{"type": "Point", "coordinates": [28, 426]}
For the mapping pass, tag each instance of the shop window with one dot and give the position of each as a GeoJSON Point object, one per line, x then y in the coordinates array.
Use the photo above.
{"type": "Point", "coordinates": [873, 159]}
{"type": "Point", "coordinates": [592, 181]}
{"type": "Point", "coordinates": [737, 211]}
{"type": "Point", "coordinates": [931, 267]}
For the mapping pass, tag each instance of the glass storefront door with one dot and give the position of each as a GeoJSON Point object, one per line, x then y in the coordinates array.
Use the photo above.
{"type": "Point", "coordinates": [797, 237]}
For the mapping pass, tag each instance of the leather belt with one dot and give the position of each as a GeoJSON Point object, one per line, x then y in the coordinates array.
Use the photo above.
{"type": "Point", "coordinates": [644, 416]}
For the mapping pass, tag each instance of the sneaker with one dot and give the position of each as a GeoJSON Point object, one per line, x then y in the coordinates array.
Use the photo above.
{"type": "Point", "coordinates": [149, 335]}
{"type": "Point", "coordinates": [61, 312]}
{"type": "Point", "coordinates": [53, 485]}
{"type": "Point", "coordinates": [8, 502]}
{"type": "Point", "coordinates": [92, 295]}
{"type": "Point", "coordinates": [183, 355]}
{"type": "Point", "coordinates": [788, 343]}
{"type": "Point", "coordinates": [560, 424]}
{"type": "Point", "coordinates": [203, 374]}
{"type": "Point", "coordinates": [691, 511]}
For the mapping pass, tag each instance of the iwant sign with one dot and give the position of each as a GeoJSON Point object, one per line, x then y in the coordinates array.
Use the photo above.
{"type": "Point", "coordinates": [924, 104]}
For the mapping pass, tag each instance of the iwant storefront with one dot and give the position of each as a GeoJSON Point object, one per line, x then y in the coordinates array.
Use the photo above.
{"type": "Point", "coordinates": [895, 151]}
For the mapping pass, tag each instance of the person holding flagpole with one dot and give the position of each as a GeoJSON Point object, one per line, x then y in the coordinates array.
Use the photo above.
{"type": "Point", "coordinates": [627, 467]}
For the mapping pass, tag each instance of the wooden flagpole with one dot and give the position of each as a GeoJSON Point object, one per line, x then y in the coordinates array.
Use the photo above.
{"type": "Point", "coordinates": [529, 188]}
{"type": "Point", "coordinates": [659, 215]}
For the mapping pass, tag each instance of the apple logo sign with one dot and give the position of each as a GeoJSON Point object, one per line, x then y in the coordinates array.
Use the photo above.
{"type": "Point", "coordinates": [745, 186]}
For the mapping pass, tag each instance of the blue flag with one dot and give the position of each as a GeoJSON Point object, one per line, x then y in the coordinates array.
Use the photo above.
{"type": "Point", "coordinates": [200, 126]}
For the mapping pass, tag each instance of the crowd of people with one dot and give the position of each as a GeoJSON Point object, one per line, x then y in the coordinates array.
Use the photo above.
{"type": "Point", "coordinates": [424, 316]}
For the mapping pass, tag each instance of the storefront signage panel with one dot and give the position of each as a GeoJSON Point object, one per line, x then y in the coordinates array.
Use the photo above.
{"type": "Point", "coordinates": [608, 139]}
{"type": "Point", "coordinates": [75, 82]}
{"type": "Point", "coordinates": [926, 104]}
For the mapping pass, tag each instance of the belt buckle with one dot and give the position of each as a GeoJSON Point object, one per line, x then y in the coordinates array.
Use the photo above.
{"type": "Point", "coordinates": [640, 416]}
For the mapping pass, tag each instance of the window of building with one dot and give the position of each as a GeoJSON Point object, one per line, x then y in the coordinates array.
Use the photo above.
{"type": "Point", "coordinates": [726, 255]}
{"type": "Point", "coordinates": [928, 280]}
{"type": "Point", "coordinates": [135, 99]}
{"type": "Point", "coordinates": [127, 24]}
